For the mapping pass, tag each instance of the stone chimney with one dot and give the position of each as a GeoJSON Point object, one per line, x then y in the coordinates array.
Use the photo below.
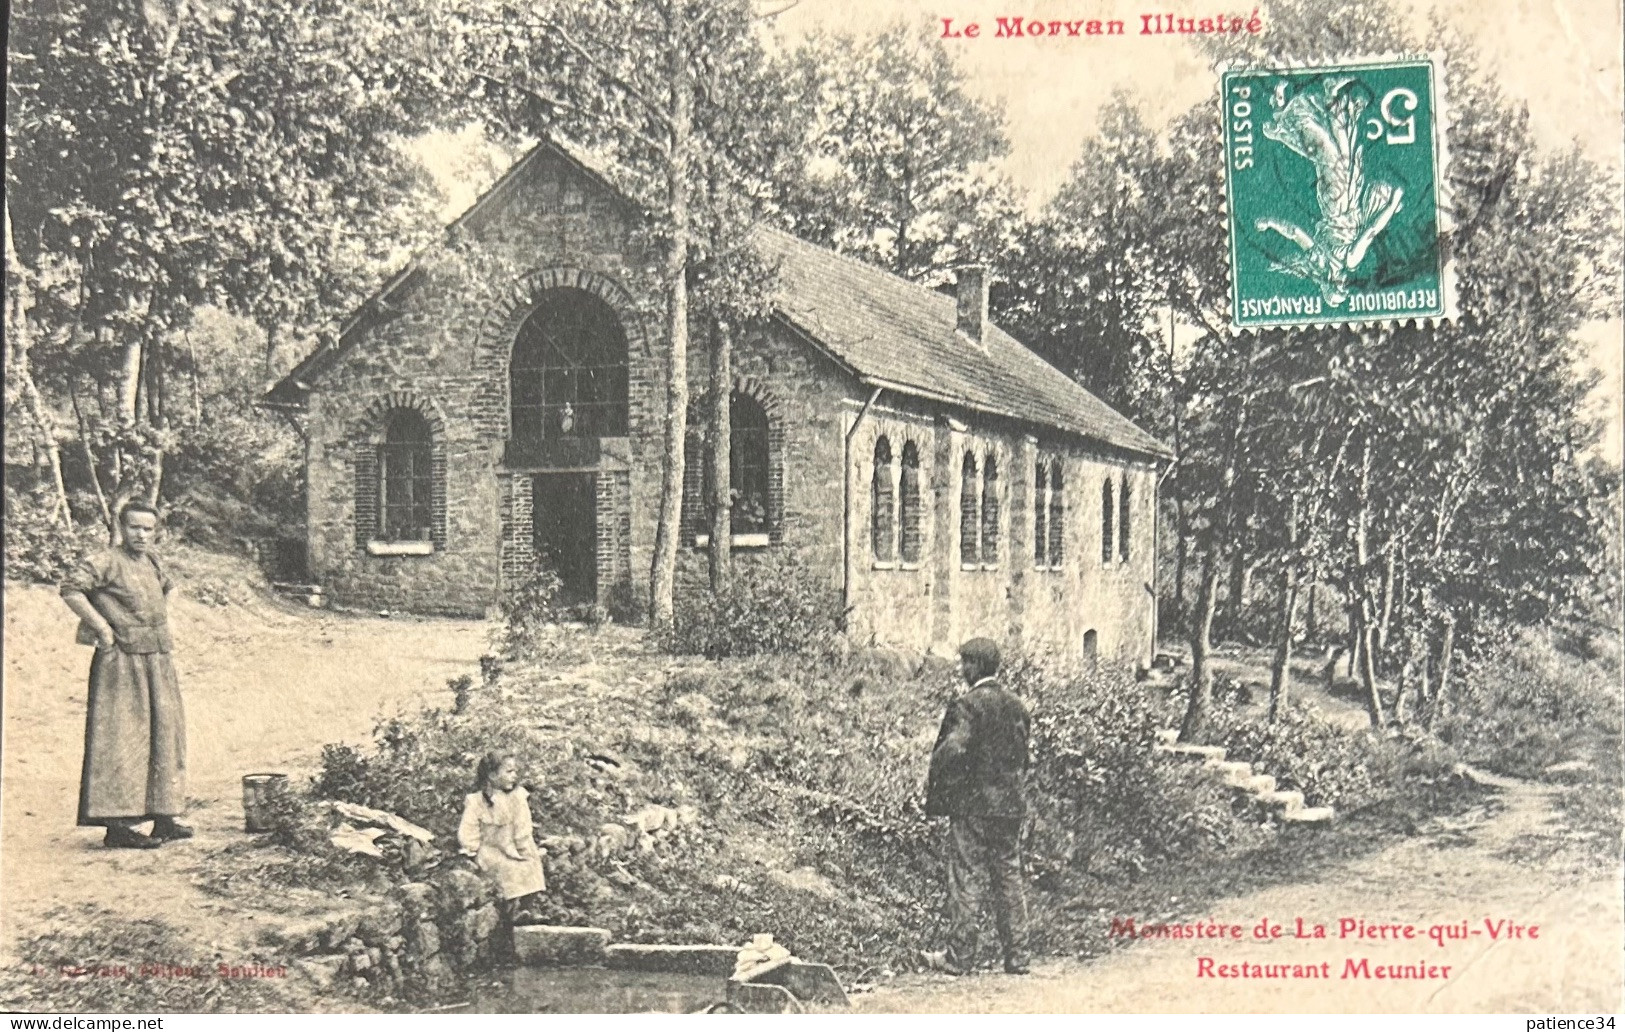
{"type": "Point", "coordinates": [971, 302]}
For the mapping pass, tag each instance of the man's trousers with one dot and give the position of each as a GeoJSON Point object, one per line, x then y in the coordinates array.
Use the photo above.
{"type": "Point", "coordinates": [984, 852]}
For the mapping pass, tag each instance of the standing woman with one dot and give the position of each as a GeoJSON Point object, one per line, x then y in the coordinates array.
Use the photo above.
{"type": "Point", "coordinates": [135, 724]}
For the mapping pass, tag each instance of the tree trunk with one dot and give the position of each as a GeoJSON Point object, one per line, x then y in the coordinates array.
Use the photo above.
{"type": "Point", "coordinates": [1200, 704]}
{"type": "Point", "coordinates": [1441, 690]}
{"type": "Point", "coordinates": [1236, 592]}
{"type": "Point", "coordinates": [721, 452]}
{"type": "Point", "coordinates": [90, 458]}
{"type": "Point", "coordinates": [1281, 667]}
{"type": "Point", "coordinates": [18, 302]}
{"type": "Point", "coordinates": [1386, 613]}
{"type": "Point", "coordinates": [663, 577]}
{"type": "Point", "coordinates": [1199, 707]}
{"type": "Point", "coordinates": [1311, 619]}
{"type": "Point", "coordinates": [1368, 677]}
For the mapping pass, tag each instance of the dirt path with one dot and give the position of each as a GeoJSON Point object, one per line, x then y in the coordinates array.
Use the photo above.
{"type": "Point", "coordinates": [1468, 869]}
{"type": "Point", "coordinates": [265, 686]}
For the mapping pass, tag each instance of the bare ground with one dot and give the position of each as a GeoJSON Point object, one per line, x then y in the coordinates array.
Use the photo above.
{"type": "Point", "coordinates": [1475, 868]}
{"type": "Point", "coordinates": [265, 686]}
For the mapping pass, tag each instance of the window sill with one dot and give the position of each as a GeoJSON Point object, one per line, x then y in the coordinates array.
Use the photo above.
{"type": "Point", "coordinates": [883, 564]}
{"type": "Point", "coordinates": [400, 548]}
{"type": "Point", "coordinates": [908, 566]}
{"type": "Point", "coordinates": [739, 540]}
{"type": "Point", "coordinates": [978, 566]}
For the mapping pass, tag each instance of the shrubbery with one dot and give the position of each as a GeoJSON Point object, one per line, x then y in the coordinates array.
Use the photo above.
{"type": "Point", "coordinates": [773, 606]}
{"type": "Point", "coordinates": [1526, 705]}
{"type": "Point", "coordinates": [40, 549]}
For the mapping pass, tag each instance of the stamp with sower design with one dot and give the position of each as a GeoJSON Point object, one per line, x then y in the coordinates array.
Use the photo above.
{"type": "Point", "coordinates": [1333, 178]}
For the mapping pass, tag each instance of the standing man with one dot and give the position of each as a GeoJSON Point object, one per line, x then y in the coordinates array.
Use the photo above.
{"type": "Point", "coordinates": [135, 727]}
{"type": "Point", "coordinates": [977, 772]}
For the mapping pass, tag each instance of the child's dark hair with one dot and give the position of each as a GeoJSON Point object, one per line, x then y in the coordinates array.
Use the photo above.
{"type": "Point", "coordinates": [490, 763]}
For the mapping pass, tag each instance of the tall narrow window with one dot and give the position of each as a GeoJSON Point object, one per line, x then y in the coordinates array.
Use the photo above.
{"type": "Point", "coordinates": [909, 503]}
{"type": "Point", "coordinates": [969, 512]}
{"type": "Point", "coordinates": [1108, 510]}
{"type": "Point", "coordinates": [747, 465]}
{"type": "Point", "coordinates": [1123, 520]}
{"type": "Point", "coordinates": [1040, 515]}
{"type": "Point", "coordinates": [883, 517]}
{"type": "Point", "coordinates": [405, 478]}
{"type": "Point", "coordinates": [1057, 517]}
{"type": "Point", "coordinates": [990, 510]}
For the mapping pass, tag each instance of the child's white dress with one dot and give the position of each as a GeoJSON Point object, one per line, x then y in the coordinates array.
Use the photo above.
{"type": "Point", "coordinates": [497, 833]}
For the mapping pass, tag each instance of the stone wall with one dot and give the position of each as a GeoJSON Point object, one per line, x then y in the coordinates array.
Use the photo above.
{"type": "Point", "coordinates": [441, 344]}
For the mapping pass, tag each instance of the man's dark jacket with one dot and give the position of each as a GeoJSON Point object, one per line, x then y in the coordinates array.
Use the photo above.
{"type": "Point", "coordinates": [980, 759]}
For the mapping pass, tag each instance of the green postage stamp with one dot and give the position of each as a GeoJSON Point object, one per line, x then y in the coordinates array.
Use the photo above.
{"type": "Point", "coordinates": [1334, 177]}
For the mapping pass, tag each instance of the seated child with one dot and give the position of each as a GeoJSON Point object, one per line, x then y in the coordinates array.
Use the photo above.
{"type": "Point", "coordinates": [496, 832]}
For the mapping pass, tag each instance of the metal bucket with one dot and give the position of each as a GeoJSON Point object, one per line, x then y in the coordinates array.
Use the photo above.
{"type": "Point", "coordinates": [258, 792]}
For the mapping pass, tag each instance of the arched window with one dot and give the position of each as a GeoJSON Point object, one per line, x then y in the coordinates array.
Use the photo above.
{"type": "Point", "coordinates": [747, 464]}
{"type": "Point", "coordinates": [970, 508]}
{"type": "Point", "coordinates": [1057, 517]}
{"type": "Point", "coordinates": [1040, 515]}
{"type": "Point", "coordinates": [567, 376]}
{"type": "Point", "coordinates": [1091, 648]}
{"type": "Point", "coordinates": [1108, 510]}
{"type": "Point", "coordinates": [1123, 520]}
{"type": "Point", "coordinates": [881, 504]}
{"type": "Point", "coordinates": [990, 510]}
{"type": "Point", "coordinates": [909, 503]}
{"type": "Point", "coordinates": [405, 478]}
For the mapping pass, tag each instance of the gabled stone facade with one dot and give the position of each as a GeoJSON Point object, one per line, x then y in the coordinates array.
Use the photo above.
{"type": "Point", "coordinates": [442, 463]}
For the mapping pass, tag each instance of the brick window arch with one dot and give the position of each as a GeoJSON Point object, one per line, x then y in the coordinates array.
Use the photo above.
{"type": "Point", "coordinates": [1108, 513]}
{"type": "Point", "coordinates": [1123, 520]}
{"type": "Point", "coordinates": [970, 507]}
{"type": "Point", "coordinates": [882, 504]}
{"type": "Point", "coordinates": [399, 459]}
{"type": "Point", "coordinates": [990, 510]}
{"type": "Point", "coordinates": [754, 474]}
{"type": "Point", "coordinates": [909, 503]}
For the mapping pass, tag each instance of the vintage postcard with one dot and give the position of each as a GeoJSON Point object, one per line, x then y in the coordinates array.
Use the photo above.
{"type": "Point", "coordinates": [807, 506]}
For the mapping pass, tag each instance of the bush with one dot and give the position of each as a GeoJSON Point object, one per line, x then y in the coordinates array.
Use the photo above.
{"type": "Point", "coordinates": [527, 607]}
{"type": "Point", "coordinates": [1329, 764]}
{"type": "Point", "coordinates": [39, 549]}
{"type": "Point", "coordinates": [1527, 704]}
{"type": "Point", "coordinates": [1103, 800]}
{"type": "Point", "coordinates": [777, 606]}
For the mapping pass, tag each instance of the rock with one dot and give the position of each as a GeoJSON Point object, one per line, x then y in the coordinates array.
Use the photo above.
{"type": "Point", "coordinates": [339, 928]}
{"type": "Point", "coordinates": [294, 937]}
{"type": "Point", "coordinates": [379, 923]}
{"type": "Point", "coordinates": [436, 974]}
{"type": "Point", "coordinates": [322, 971]}
{"type": "Point", "coordinates": [423, 938]}
{"type": "Point", "coordinates": [366, 816]}
{"type": "Point", "coordinates": [375, 956]}
{"type": "Point", "coordinates": [554, 945]}
{"type": "Point", "coordinates": [352, 839]}
{"type": "Point", "coordinates": [359, 962]}
{"type": "Point", "coordinates": [613, 838]}
{"type": "Point", "coordinates": [652, 818]}
{"type": "Point", "coordinates": [688, 815]}
{"type": "Point", "coordinates": [462, 890]}
{"type": "Point", "coordinates": [480, 924]}
{"type": "Point", "coordinates": [690, 960]}
{"type": "Point", "coordinates": [416, 898]}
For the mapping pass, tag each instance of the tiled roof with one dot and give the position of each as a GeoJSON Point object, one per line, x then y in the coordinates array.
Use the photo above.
{"type": "Point", "coordinates": [897, 333]}
{"type": "Point", "coordinates": [890, 331]}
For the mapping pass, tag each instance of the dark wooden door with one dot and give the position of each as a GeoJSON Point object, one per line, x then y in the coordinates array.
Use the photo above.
{"type": "Point", "coordinates": [564, 512]}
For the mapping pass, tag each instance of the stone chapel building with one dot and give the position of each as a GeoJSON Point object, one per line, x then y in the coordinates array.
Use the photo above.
{"type": "Point", "coordinates": [498, 404]}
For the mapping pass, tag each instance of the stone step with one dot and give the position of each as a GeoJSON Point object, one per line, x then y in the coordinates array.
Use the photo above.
{"type": "Point", "coordinates": [1287, 801]}
{"type": "Point", "coordinates": [688, 960]}
{"type": "Point", "coordinates": [559, 945]}
{"type": "Point", "coordinates": [1310, 815]}
{"type": "Point", "coordinates": [1258, 784]}
{"type": "Point", "coordinates": [1167, 736]}
{"type": "Point", "coordinates": [1230, 772]}
{"type": "Point", "coordinates": [1196, 752]}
